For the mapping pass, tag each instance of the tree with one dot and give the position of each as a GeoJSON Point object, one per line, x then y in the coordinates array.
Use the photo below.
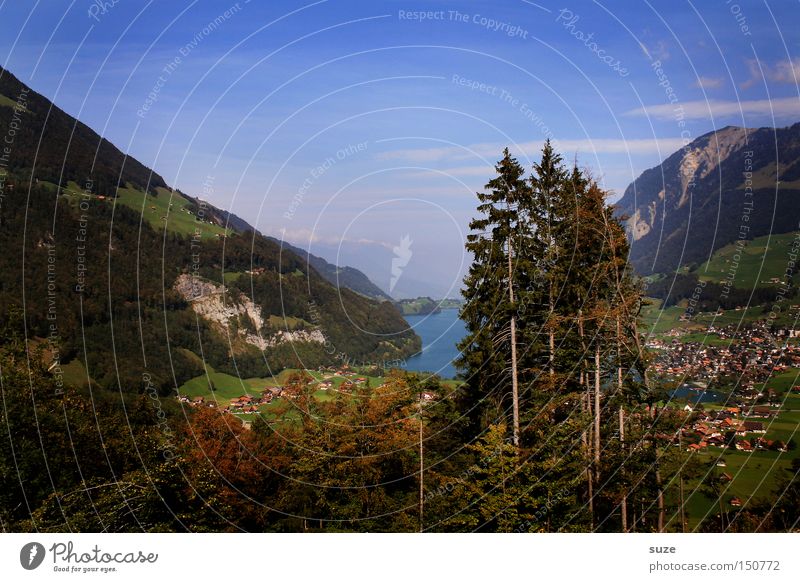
{"type": "Point", "coordinates": [497, 241]}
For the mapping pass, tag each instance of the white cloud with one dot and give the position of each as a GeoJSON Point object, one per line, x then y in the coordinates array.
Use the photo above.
{"type": "Point", "coordinates": [786, 71]}
{"type": "Point", "coordinates": [302, 237]}
{"type": "Point", "coordinates": [459, 172]}
{"type": "Point", "coordinates": [708, 82]}
{"type": "Point", "coordinates": [658, 50]}
{"type": "Point", "coordinates": [784, 107]}
{"type": "Point", "coordinates": [567, 147]}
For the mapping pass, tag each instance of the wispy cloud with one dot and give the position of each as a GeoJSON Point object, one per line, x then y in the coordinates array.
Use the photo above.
{"type": "Point", "coordinates": [708, 82]}
{"type": "Point", "coordinates": [458, 172]}
{"type": "Point", "coordinates": [302, 237]}
{"type": "Point", "coordinates": [786, 71]}
{"type": "Point", "coordinates": [567, 147]}
{"type": "Point", "coordinates": [784, 107]}
{"type": "Point", "coordinates": [657, 50]}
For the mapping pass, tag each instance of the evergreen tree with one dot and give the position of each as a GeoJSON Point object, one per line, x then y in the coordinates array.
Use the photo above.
{"type": "Point", "coordinates": [498, 241]}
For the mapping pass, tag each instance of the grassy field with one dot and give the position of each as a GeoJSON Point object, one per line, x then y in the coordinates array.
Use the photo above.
{"type": "Point", "coordinates": [656, 321]}
{"type": "Point", "coordinates": [784, 381]}
{"type": "Point", "coordinates": [167, 207]}
{"type": "Point", "coordinates": [227, 387]}
{"type": "Point", "coordinates": [8, 102]}
{"type": "Point", "coordinates": [74, 373]}
{"type": "Point", "coordinates": [760, 260]}
{"type": "Point", "coordinates": [708, 339]}
{"type": "Point", "coordinates": [754, 474]}
{"type": "Point", "coordinates": [170, 208]}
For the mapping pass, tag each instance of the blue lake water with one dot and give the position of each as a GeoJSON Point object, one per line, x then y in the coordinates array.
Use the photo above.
{"type": "Point", "coordinates": [696, 395]}
{"type": "Point", "coordinates": [440, 332]}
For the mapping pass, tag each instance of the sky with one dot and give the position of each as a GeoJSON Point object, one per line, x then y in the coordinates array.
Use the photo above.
{"type": "Point", "coordinates": [362, 130]}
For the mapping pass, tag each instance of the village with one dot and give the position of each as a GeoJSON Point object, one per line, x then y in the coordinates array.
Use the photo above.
{"type": "Point", "coordinates": [728, 428]}
{"type": "Point", "coordinates": [326, 379]}
{"type": "Point", "coordinates": [750, 354]}
{"type": "Point", "coordinates": [724, 376]}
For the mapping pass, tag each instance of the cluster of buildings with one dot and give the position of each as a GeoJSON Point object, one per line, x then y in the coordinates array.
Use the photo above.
{"type": "Point", "coordinates": [249, 404]}
{"type": "Point", "coordinates": [733, 426]}
{"type": "Point", "coordinates": [750, 355]}
{"type": "Point", "coordinates": [735, 365]}
{"type": "Point", "coordinates": [341, 379]}
{"type": "Point", "coordinates": [245, 404]}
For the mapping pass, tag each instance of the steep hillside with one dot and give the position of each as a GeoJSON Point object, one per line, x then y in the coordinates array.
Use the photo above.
{"type": "Point", "coordinates": [134, 282]}
{"type": "Point", "coordinates": [730, 184]}
{"type": "Point", "coordinates": [49, 145]}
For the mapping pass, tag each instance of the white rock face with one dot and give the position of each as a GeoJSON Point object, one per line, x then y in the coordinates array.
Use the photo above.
{"type": "Point", "coordinates": [696, 164]}
{"type": "Point", "coordinates": [638, 225]}
{"type": "Point", "coordinates": [219, 307]}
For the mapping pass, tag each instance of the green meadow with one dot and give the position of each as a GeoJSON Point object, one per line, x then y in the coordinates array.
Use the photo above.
{"type": "Point", "coordinates": [760, 260]}
{"type": "Point", "coordinates": [164, 208]}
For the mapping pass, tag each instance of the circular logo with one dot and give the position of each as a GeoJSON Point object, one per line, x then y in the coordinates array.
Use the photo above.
{"type": "Point", "coordinates": [31, 555]}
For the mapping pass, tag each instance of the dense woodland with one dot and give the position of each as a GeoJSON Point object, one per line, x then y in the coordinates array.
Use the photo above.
{"type": "Point", "coordinates": [557, 425]}
{"type": "Point", "coordinates": [710, 296]}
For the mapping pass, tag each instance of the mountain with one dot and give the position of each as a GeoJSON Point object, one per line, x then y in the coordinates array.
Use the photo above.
{"type": "Point", "coordinates": [725, 185]}
{"type": "Point", "coordinates": [426, 305]}
{"type": "Point", "coordinates": [418, 306]}
{"type": "Point", "coordinates": [347, 277]}
{"type": "Point", "coordinates": [417, 279]}
{"type": "Point", "coordinates": [128, 283]}
{"type": "Point", "coordinates": [55, 147]}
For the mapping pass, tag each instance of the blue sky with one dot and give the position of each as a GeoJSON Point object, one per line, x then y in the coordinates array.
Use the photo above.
{"type": "Point", "coordinates": [349, 125]}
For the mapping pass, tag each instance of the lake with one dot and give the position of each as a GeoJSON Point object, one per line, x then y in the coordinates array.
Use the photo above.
{"type": "Point", "coordinates": [696, 395]}
{"type": "Point", "coordinates": [440, 332]}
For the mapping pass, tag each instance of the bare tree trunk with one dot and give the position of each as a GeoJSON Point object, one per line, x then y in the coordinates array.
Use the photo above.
{"type": "Point", "coordinates": [680, 483]}
{"type": "Point", "coordinates": [421, 469]}
{"type": "Point", "coordinates": [623, 508]}
{"type": "Point", "coordinates": [586, 406]}
{"type": "Point", "coordinates": [660, 497]}
{"type": "Point", "coordinates": [624, 501]}
{"type": "Point", "coordinates": [597, 412]}
{"type": "Point", "coordinates": [551, 332]}
{"type": "Point", "coordinates": [514, 385]}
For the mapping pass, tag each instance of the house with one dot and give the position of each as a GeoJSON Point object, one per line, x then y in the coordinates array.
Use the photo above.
{"type": "Point", "coordinates": [761, 412]}
{"type": "Point", "coordinates": [198, 400]}
{"type": "Point", "coordinates": [744, 446]}
{"type": "Point", "coordinates": [753, 426]}
{"type": "Point", "coordinates": [735, 502]}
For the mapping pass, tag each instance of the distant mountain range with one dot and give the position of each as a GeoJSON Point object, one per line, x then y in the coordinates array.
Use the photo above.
{"type": "Point", "coordinates": [375, 261]}
{"type": "Point", "coordinates": [725, 185]}
{"type": "Point", "coordinates": [348, 277]}
{"type": "Point", "coordinates": [426, 305]}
